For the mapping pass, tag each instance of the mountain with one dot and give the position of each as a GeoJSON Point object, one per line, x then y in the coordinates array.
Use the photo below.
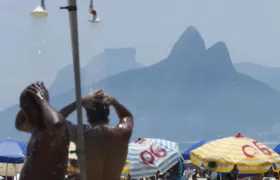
{"type": "Point", "coordinates": [194, 93]}
{"type": "Point", "coordinates": [7, 116]}
{"type": "Point", "coordinates": [108, 63]}
{"type": "Point", "coordinates": [268, 75]}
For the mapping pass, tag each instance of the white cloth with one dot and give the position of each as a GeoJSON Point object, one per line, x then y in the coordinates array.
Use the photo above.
{"type": "Point", "coordinates": [213, 175]}
{"type": "Point", "coordinates": [188, 174]}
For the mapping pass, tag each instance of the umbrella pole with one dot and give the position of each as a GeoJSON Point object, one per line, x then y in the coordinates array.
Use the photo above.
{"type": "Point", "coordinates": [72, 9]}
{"type": "Point", "coordinates": [15, 166]}
{"type": "Point", "coordinates": [6, 171]}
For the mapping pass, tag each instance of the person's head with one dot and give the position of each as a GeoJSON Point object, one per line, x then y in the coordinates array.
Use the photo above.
{"type": "Point", "coordinates": [227, 176]}
{"type": "Point", "coordinates": [97, 111]}
{"type": "Point", "coordinates": [194, 177]}
{"type": "Point", "coordinates": [30, 108]}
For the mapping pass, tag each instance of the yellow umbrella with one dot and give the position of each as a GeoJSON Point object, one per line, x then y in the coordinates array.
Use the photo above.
{"type": "Point", "coordinates": [72, 151]}
{"type": "Point", "coordinates": [72, 157]}
{"type": "Point", "coordinates": [125, 171]}
{"type": "Point", "coordinates": [250, 156]}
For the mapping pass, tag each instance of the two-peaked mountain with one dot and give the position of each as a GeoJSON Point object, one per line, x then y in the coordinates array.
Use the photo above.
{"type": "Point", "coordinates": [194, 93]}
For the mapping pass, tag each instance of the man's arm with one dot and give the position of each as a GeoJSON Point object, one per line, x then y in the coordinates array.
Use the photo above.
{"type": "Point", "coordinates": [126, 118]}
{"type": "Point", "coordinates": [22, 123]}
{"type": "Point", "coordinates": [72, 128]}
{"type": "Point", "coordinates": [67, 110]}
{"type": "Point", "coordinates": [51, 117]}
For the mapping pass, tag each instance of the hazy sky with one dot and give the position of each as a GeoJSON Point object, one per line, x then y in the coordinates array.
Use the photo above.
{"type": "Point", "coordinates": [250, 29]}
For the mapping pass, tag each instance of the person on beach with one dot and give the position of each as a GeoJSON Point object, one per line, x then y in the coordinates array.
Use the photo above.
{"type": "Point", "coordinates": [47, 149]}
{"type": "Point", "coordinates": [106, 147]}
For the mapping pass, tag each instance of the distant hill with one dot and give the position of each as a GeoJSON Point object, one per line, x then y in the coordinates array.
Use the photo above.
{"type": "Point", "coordinates": [108, 63]}
{"type": "Point", "coordinates": [268, 75]}
{"type": "Point", "coordinates": [194, 93]}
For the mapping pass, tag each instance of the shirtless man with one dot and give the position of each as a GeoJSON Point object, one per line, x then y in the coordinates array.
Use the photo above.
{"type": "Point", "coordinates": [47, 149]}
{"type": "Point", "coordinates": [105, 146]}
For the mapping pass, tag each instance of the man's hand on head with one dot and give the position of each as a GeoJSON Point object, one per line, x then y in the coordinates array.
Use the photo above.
{"type": "Point", "coordinates": [38, 92]}
{"type": "Point", "coordinates": [103, 97]}
{"type": "Point", "coordinates": [108, 99]}
{"type": "Point", "coordinates": [97, 95]}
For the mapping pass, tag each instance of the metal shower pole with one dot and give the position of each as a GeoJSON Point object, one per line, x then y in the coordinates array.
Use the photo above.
{"type": "Point", "coordinates": [43, 4]}
{"type": "Point", "coordinates": [72, 9]}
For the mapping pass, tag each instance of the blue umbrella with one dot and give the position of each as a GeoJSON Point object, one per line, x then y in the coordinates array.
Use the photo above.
{"type": "Point", "coordinates": [12, 151]}
{"type": "Point", "coordinates": [277, 149]}
{"type": "Point", "coordinates": [186, 154]}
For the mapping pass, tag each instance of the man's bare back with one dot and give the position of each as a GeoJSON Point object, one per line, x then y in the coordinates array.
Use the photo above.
{"type": "Point", "coordinates": [47, 149]}
{"type": "Point", "coordinates": [105, 146]}
{"type": "Point", "coordinates": [105, 153]}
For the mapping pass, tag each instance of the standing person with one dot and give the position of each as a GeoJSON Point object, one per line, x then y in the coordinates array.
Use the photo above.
{"type": "Point", "coordinates": [128, 177]}
{"type": "Point", "coordinates": [106, 146]}
{"type": "Point", "coordinates": [194, 177]}
{"type": "Point", "coordinates": [47, 149]}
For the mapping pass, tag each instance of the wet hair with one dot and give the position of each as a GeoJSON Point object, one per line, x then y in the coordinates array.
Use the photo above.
{"type": "Point", "coordinates": [25, 95]}
{"type": "Point", "coordinates": [31, 109]}
{"type": "Point", "coordinates": [97, 111]}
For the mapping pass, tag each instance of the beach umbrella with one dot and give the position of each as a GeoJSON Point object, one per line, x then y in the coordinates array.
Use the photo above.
{"type": "Point", "coordinates": [72, 165]}
{"type": "Point", "coordinates": [186, 154]}
{"type": "Point", "coordinates": [148, 156]}
{"type": "Point", "coordinates": [126, 171]}
{"type": "Point", "coordinates": [248, 155]}
{"type": "Point", "coordinates": [72, 151]}
{"type": "Point", "coordinates": [12, 156]}
{"type": "Point", "coordinates": [277, 149]}
{"type": "Point", "coordinates": [12, 151]}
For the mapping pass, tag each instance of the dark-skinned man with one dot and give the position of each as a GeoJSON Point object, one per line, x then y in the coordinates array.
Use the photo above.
{"type": "Point", "coordinates": [47, 149]}
{"type": "Point", "coordinates": [105, 146]}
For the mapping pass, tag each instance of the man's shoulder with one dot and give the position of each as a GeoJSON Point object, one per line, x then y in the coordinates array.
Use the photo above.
{"type": "Point", "coordinates": [70, 124]}
{"type": "Point", "coordinates": [122, 130]}
{"type": "Point", "coordinates": [73, 128]}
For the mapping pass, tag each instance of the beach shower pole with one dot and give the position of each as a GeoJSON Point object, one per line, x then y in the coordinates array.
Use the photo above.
{"type": "Point", "coordinates": [72, 9]}
{"type": "Point", "coordinates": [43, 4]}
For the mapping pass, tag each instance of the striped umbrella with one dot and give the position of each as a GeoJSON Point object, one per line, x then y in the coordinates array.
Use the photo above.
{"type": "Point", "coordinates": [72, 158]}
{"type": "Point", "coordinates": [148, 156]}
{"type": "Point", "coordinates": [72, 151]}
{"type": "Point", "coordinates": [248, 155]}
{"type": "Point", "coordinates": [186, 154]}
